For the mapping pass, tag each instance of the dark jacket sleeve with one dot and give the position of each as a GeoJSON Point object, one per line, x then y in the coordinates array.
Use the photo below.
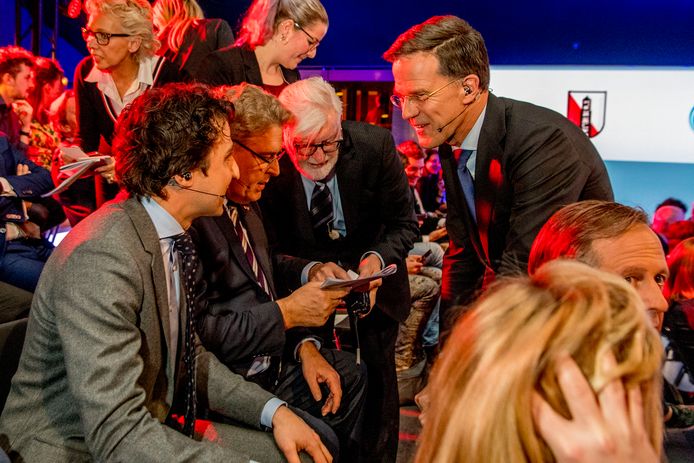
{"type": "Point", "coordinates": [31, 185]}
{"type": "Point", "coordinates": [88, 132]}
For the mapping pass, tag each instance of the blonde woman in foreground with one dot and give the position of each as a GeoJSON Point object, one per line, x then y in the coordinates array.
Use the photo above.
{"type": "Point", "coordinates": [514, 372]}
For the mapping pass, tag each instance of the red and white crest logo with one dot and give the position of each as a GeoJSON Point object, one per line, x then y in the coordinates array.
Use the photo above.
{"type": "Point", "coordinates": [587, 110]}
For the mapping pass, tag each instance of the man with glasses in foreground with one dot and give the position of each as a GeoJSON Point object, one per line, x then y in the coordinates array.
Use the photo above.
{"type": "Point", "coordinates": [342, 196]}
{"type": "Point", "coordinates": [242, 320]}
{"type": "Point", "coordinates": [507, 165]}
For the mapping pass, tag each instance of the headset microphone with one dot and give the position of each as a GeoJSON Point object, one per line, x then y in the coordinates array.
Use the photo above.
{"type": "Point", "coordinates": [187, 176]}
{"type": "Point", "coordinates": [467, 106]}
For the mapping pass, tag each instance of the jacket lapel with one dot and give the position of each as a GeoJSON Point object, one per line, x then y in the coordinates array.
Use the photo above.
{"type": "Point", "coordinates": [349, 185]}
{"type": "Point", "coordinates": [258, 239]}
{"type": "Point", "coordinates": [488, 172]}
{"type": "Point", "coordinates": [150, 242]}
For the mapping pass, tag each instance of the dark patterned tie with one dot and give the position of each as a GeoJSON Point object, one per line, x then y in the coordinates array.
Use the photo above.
{"type": "Point", "coordinates": [466, 180]}
{"type": "Point", "coordinates": [242, 235]}
{"type": "Point", "coordinates": [321, 210]}
{"type": "Point", "coordinates": [189, 263]}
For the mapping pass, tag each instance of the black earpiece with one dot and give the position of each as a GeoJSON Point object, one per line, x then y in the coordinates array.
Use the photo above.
{"type": "Point", "coordinates": [467, 90]}
{"type": "Point", "coordinates": [186, 175]}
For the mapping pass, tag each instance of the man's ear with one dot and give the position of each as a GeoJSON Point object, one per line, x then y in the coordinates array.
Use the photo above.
{"type": "Point", "coordinates": [469, 89]}
{"type": "Point", "coordinates": [6, 79]}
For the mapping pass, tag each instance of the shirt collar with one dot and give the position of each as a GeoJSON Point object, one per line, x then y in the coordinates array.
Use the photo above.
{"type": "Point", "coordinates": [164, 222]}
{"type": "Point", "coordinates": [473, 137]}
{"type": "Point", "coordinates": [144, 74]}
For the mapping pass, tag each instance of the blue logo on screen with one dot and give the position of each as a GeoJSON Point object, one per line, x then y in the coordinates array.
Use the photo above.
{"type": "Point", "coordinates": [691, 119]}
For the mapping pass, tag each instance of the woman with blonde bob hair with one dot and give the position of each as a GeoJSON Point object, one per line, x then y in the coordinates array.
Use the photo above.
{"type": "Point", "coordinates": [507, 358]}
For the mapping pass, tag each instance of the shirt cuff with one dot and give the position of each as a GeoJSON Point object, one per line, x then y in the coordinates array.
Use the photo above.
{"type": "Point", "coordinates": [306, 271]}
{"type": "Point", "coordinates": [7, 189]}
{"type": "Point", "coordinates": [312, 339]}
{"type": "Point", "coordinates": [269, 411]}
{"type": "Point", "coordinates": [367, 253]}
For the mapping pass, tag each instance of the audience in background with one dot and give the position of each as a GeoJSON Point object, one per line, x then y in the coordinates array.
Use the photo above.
{"type": "Point", "coordinates": [49, 83]}
{"type": "Point", "coordinates": [186, 36]}
{"type": "Point", "coordinates": [16, 81]}
{"type": "Point", "coordinates": [23, 251]}
{"type": "Point", "coordinates": [275, 36]}
{"type": "Point", "coordinates": [678, 326]}
{"type": "Point", "coordinates": [431, 187]}
{"type": "Point", "coordinates": [501, 389]}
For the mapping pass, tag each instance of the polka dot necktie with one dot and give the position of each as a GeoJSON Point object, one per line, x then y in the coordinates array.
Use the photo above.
{"type": "Point", "coordinates": [189, 263]}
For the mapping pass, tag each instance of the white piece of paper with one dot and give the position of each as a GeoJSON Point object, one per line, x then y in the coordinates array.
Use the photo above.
{"type": "Point", "coordinates": [336, 283]}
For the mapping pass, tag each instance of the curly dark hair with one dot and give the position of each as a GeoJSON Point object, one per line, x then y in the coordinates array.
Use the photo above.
{"type": "Point", "coordinates": [167, 131]}
{"type": "Point", "coordinates": [12, 57]}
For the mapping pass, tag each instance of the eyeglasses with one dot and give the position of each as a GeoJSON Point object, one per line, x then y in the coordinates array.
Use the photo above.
{"type": "Point", "coordinates": [328, 147]}
{"type": "Point", "coordinates": [400, 100]}
{"type": "Point", "coordinates": [312, 41]}
{"type": "Point", "coordinates": [102, 38]}
{"type": "Point", "coordinates": [267, 158]}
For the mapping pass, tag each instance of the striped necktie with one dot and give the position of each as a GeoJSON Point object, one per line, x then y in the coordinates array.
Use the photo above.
{"type": "Point", "coordinates": [242, 234]}
{"type": "Point", "coordinates": [466, 180]}
{"type": "Point", "coordinates": [189, 262]}
{"type": "Point", "coordinates": [321, 210]}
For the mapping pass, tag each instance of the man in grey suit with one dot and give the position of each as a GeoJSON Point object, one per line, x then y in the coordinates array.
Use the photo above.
{"type": "Point", "coordinates": [106, 372]}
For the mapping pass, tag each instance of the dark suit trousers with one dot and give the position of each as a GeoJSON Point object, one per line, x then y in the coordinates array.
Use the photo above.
{"type": "Point", "coordinates": [377, 333]}
{"type": "Point", "coordinates": [14, 303]}
{"type": "Point", "coordinates": [293, 388]}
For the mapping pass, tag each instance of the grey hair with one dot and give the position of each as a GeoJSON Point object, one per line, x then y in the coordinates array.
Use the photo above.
{"type": "Point", "coordinates": [312, 101]}
{"type": "Point", "coordinates": [136, 18]}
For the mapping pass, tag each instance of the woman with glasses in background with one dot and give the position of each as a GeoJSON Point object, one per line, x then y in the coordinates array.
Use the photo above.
{"type": "Point", "coordinates": [186, 36]}
{"type": "Point", "coordinates": [121, 66]}
{"type": "Point", "coordinates": [275, 36]}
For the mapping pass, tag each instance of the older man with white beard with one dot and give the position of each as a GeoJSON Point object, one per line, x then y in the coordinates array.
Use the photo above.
{"type": "Point", "coordinates": [342, 196]}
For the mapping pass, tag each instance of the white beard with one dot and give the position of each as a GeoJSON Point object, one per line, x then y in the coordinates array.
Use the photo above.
{"type": "Point", "coordinates": [316, 173]}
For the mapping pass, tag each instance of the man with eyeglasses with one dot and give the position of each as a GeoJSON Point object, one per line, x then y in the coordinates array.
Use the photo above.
{"type": "Point", "coordinates": [507, 165]}
{"type": "Point", "coordinates": [342, 196]}
{"type": "Point", "coordinates": [243, 321]}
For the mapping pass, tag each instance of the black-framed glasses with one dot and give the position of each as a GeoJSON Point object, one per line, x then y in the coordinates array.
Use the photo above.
{"type": "Point", "coordinates": [400, 100]}
{"type": "Point", "coordinates": [328, 147]}
{"type": "Point", "coordinates": [102, 38]}
{"type": "Point", "coordinates": [266, 158]}
{"type": "Point", "coordinates": [312, 41]}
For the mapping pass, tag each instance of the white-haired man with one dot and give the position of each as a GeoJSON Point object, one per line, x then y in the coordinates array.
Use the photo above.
{"type": "Point", "coordinates": [342, 196]}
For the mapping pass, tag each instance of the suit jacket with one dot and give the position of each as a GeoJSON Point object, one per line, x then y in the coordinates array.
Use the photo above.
{"type": "Point", "coordinates": [531, 161]}
{"type": "Point", "coordinates": [233, 65]}
{"type": "Point", "coordinates": [237, 321]}
{"type": "Point", "coordinates": [377, 206]}
{"type": "Point", "coordinates": [29, 186]}
{"type": "Point", "coordinates": [202, 37]}
{"type": "Point", "coordinates": [95, 381]}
